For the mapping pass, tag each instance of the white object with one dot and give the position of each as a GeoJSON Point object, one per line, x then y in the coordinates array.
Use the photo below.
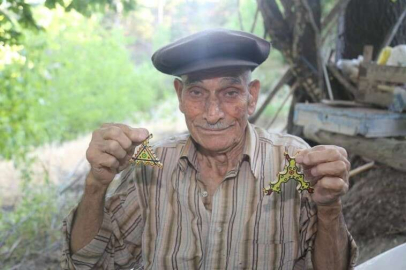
{"type": "Point", "coordinates": [350, 68]}
{"type": "Point", "coordinates": [397, 56]}
{"type": "Point", "coordinates": [393, 259]}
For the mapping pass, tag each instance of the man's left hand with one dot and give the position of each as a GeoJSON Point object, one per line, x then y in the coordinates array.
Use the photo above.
{"type": "Point", "coordinates": [327, 169]}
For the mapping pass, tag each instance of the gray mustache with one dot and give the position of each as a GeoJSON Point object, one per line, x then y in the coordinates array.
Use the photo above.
{"type": "Point", "coordinates": [216, 126]}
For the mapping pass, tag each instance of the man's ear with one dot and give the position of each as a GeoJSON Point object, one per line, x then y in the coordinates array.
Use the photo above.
{"type": "Point", "coordinates": [178, 84]}
{"type": "Point", "coordinates": [253, 89]}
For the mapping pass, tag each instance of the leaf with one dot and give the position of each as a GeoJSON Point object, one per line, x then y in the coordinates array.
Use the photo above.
{"type": "Point", "coordinates": [51, 4]}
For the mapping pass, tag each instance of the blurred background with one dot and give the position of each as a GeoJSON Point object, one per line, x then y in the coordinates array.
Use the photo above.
{"type": "Point", "coordinates": [66, 67]}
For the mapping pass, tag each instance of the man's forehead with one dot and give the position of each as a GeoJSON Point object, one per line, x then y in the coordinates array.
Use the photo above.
{"type": "Point", "coordinates": [220, 80]}
{"type": "Point", "coordinates": [227, 75]}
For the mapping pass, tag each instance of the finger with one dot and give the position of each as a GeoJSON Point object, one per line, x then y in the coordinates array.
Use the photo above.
{"type": "Point", "coordinates": [313, 180]}
{"type": "Point", "coordinates": [117, 134]}
{"type": "Point", "coordinates": [314, 157]}
{"type": "Point", "coordinates": [328, 190]}
{"type": "Point", "coordinates": [113, 148]}
{"type": "Point", "coordinates": [342, 151]}
{"type": "Point", "coordinates": [124, 164]}
{"type": "Point", "coordinates": [324, 147]}
{"type": "Point", "coordinates": [308, 168]}
{"type": "Point", "coordinates": [319, 147]}
{"type": "Point", "coordinates": [131, 151]}
{"type": "Point", "coordinates": [335, 168]}
{"type": "Point", "coordinates": [303, 152]}
{"type": "Point", "coordinates": [309, 177]}
{"type": "Point", "coordinates": [126, 160]}
{"type": "Point", "coordinates": [108, 161]}
{"type": "Point", "coordinates": [136, 135]}
{"type": "Point", "coordinates": [332, 185]}
{"type": "Point", "coordinates": [307, 172]}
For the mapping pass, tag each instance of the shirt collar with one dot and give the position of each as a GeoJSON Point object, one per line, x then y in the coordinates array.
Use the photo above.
{"type": "Point", "coordinates": [188, 153]}
{"type": "Point", "coordinates": [251, 147]}
{"type": "Point", "coordinates": [250, 152]}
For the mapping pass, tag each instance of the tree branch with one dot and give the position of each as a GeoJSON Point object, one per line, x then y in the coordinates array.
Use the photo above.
{"type": "Point", "coordinates": [335, 11]}
{"type": "Point", "coordinates": [317, 37]}
{"type": "Point", "coordinates": [275, 25]}
{"type": "Point", "coordinates": [287, 5]}
{"type": "Point", "coordinates": [254, 23]}
{"type": "Point", "coordinates": [284, 80]}
{"type": "Point", "coordinates": [239, 16]}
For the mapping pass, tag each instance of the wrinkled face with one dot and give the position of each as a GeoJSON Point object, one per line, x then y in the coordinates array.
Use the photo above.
{"type": "Point", "coordinates": [216, 109]}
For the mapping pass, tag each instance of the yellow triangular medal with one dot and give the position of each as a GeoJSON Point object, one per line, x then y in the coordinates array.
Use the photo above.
{"type": "Point", "coordinates": [146, 155]}
{"type": "Point", "coordinates": [290, 171]}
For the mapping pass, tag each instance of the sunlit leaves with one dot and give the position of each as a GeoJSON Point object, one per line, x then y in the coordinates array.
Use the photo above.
{"type": "Point", "coordinates": [66, 81]}
{"type": "Point", "coordinates": [17, 14]}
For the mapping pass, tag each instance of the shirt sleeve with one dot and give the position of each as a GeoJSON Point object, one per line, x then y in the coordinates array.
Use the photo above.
{"type": "Point", "coordinates": [117, 245]}
{"type": "Point", "coordinates": [308, 227]}
{"type": "Point", "coordinates": [308, 231]}
{"type": "Point", "coordinates": [353, 252]}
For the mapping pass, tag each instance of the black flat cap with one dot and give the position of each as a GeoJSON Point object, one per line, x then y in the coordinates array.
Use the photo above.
{"type": "Point", "coordinates": [215, 48]}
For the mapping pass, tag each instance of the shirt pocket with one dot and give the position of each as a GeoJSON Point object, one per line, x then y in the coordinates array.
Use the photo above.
{"type": "Point", "coordinates": [266, 254]}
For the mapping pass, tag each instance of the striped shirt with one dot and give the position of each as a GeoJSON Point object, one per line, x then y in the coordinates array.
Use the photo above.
{"type": "Point", "coordinates": [158, 218]}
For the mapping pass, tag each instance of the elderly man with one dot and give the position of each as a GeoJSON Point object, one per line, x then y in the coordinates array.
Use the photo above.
{"type": "Point", "coordinates": [206, 208]}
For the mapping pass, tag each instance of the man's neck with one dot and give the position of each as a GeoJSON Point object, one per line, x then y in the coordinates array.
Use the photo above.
{"type": "Point", "coordinates": [219, 163]}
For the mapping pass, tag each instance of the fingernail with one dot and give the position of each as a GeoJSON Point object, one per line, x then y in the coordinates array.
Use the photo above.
{"type": "Point", "coordinates": [145, 133]}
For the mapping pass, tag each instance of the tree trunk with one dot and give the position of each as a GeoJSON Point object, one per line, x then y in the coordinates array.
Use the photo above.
{"type": "Point", "coordinates": [294, 32]}
{"type": "Point", "coordinates": [368, 23]}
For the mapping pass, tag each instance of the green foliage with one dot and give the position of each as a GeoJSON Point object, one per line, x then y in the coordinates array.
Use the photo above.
{"type": "Point", "coordinates": [68, 80]}
{"type": "Point", "coordinates": [327, 6]}
{"type": "Point", "coordinates": [14, 15]}
{"type": "Point", "coordinates": [16, 98]}
{"type": "Point", "coordinates": [33, 224]}
{"type": "Point", "coordinates": [247, 10]}
{"type": "Point", "coordinates": [17, 15]}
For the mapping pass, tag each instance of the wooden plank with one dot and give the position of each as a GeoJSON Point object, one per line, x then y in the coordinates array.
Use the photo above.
{"type": "Point", "coordinates": [368, 52]}
{"type": "Point", "coordinates": [369, 93]}
{"type": "Point", "coordinates": [337, 74]}
{"type": "Point", "coordinates": [361, 169]}
{"type": "Point", "coordinates": [390, 152]}
{"type": "Point", "coordinates": [325, 121]}
{"type": "Point", "coordinates": [376, 72]}
{"type": "Point", "coordinates": [383, 95]}
{"type": "Point", "coordinates": [368, 122]}
{"type": "Point", "coordinates": [344, 103]}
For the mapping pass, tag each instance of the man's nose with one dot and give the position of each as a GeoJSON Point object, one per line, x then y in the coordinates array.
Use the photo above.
{"type": "Point", "coordinates": [213, 112]}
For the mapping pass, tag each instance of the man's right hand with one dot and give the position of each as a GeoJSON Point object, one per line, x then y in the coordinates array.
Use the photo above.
{"type": "Point", "coordinates": [110, 151]}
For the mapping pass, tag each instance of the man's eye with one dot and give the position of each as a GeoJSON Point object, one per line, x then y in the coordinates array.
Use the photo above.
{"type": "Point", "coordinates": [195, 93]}
{"type": "Point", "coordinates": [232, 93]}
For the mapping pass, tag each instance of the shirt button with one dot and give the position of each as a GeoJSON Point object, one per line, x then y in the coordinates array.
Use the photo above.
{"type": "Point", "coordinates": [218, 229]}
{"type": "Point", "coordinates": [204, 193]}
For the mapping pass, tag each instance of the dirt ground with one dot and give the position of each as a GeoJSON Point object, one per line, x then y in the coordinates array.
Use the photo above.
{"type": "Point", "coordinates": [375, 209]}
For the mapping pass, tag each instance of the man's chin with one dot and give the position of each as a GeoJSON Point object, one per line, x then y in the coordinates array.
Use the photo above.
{"type": "Point", "coordinates": [213, 132]}
{"type": "Point", "coordinates": [216, 141]}
{"type": "Point", "coordinates": [213, 146]}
